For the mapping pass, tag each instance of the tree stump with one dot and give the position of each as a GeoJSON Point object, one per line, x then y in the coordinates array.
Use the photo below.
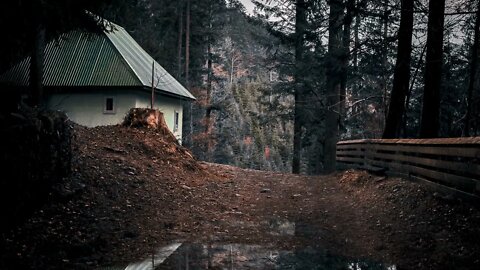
{"type": "Point", "coordinates": [149, 118]}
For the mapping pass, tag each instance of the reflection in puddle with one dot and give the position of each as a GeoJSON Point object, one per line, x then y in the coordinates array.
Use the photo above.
{"type": "Point", "coordinates": [281, 227]}
{"type": "Point", "coordinates": [194, 256]}
{"type": "Point", "coordinates": [152, 262]}
{"type": "Point", "coordinates": [362, 265]}
{"type": "Point", "coordinates": [232, 256]}
{"type": "Point", "coordinates": [238, 256]}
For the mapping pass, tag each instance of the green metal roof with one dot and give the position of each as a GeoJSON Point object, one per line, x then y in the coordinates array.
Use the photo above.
{"type": "Point", "coordinates": [113, 58]}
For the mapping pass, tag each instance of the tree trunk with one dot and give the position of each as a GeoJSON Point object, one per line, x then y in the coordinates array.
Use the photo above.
{"type": "Point", "coordinates": [37, 60]}
{"type": "Point", "coordinates": [187, 46]}
{"type": "Point", "coordinates": [300, 26]}
{"type": "Point", "coordinates": [209, 89]}
{"type": "Point", "coordinates": [180, 40]}
{"type": "Point", "coordinates": [346, 58]}
{"type": "Point", "coordinates": [232, 66]}
{"type": "Point", "coordinates": [357, 42]}
{"type": "Point", "coordinates": [333, 83]}
{"type": "Point", "coordinates": [355, 73]}
{"type": "Point", "coordinates": [401, 77]}
{"type": "Point", "coordinates": [187, 108]}
{"type": "Point", "coordinates": [209, 77]}
{"type": "Point", "coordinates": [431, 96]}
{"type": "Point", "coordinates": [474, 82]}
{"type": "Point", "coordinates": [409, 93]}
{"type": "Point", "coordinates": [384, 82]}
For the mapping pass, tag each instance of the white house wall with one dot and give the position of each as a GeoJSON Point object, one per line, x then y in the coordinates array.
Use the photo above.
{"type": "Point", "coordinates": [87, 109]}
{"type": "Point", "coordinates": [168, 106]}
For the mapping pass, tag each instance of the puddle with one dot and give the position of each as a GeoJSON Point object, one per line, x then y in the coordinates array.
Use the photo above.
{"type": "Point", "coordinates": [309, 258]}
{"type": "Point", "coordinates": [151, 263]}
{"type": "Point", "coordinates": [218, 256]}
{"type": "Point", "coordinates": [281, 227]}
{"type": "Point", "coordinates": [194, 256]}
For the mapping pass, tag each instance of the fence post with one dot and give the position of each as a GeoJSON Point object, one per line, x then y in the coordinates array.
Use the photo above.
{"type": "Point", "coordinates": [368, 153]}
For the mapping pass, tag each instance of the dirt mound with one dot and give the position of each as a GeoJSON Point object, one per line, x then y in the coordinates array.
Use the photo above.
{"type": "Point", "coordinates": [358, 178]}
{"type": "Point", "coordinates": [142, 148]}
{"type": "Point", "coordinates": [125, 188]}
{"type": "Point", "coordinates": [134, 190]}
{"type": "Point", "coordinates": [436, 230]}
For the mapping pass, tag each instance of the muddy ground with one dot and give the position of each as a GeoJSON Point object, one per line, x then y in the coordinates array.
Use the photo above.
{"type": "Point", "coordinates": [134, 190]}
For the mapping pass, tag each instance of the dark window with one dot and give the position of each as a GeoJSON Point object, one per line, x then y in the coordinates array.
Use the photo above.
{"type": "Point", "coordinates": [109, 106]}
{"type": "Point", "coordinates": [175, 123]}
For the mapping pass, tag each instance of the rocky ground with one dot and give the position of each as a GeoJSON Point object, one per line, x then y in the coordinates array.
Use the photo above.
{"type": "Point", "coordinates": [134, 190]}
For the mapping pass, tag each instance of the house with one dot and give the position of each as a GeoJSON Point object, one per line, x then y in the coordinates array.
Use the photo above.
{"type": "Point", "coordinates": [96, 78]}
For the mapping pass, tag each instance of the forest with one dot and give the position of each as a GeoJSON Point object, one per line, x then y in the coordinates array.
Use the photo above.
{"type": "Point", "coordinates": [278, 87]}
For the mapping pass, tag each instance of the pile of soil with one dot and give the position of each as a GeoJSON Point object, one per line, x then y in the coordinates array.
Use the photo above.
{"type": "Point", "coordinates": [421, 228]}
{"type": "Point", "coordinates": [124, 192]}
{"type": "Point", "coordinates": [35, 155]}
{"type": "Point", "coordinates": [133, 190]}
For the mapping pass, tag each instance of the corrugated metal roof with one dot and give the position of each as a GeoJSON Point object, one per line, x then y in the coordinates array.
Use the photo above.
{"type": "Point", "coordinates": [18, 75]}
{"type": "Point", "coordinates": [78, 59]}
{"type": "Point", "coordinates": [141, 62]}
{"type": "Point", "coordinates": [113, 58]}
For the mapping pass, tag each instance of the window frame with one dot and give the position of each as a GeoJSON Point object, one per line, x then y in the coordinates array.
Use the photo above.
{"type": "Point", "coordinates": [176, 120]}
{"type": "Point", "coordinates": [105, 105]}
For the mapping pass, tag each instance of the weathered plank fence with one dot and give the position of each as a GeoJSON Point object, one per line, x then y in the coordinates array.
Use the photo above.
{"type": "Point", "coordinates": [451, 165]}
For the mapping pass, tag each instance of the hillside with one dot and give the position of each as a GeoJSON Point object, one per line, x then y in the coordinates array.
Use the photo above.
{"type": "Point", "coordinates": [134, 190]}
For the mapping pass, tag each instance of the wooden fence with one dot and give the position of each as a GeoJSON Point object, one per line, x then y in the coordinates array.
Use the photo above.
{"type": "Point", "coordinates": [451, 165]}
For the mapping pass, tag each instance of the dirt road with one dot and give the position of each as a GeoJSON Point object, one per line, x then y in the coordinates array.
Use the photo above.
{"type": "Point", "coordinates": [133, 193]}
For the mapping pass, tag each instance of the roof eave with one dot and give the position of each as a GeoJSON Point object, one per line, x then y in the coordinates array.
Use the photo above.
{"type": "Point", "coordinates": [170, 94]}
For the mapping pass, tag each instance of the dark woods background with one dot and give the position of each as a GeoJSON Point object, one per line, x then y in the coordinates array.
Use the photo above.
{"type": "Point", "coordinates": [276, 89]}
